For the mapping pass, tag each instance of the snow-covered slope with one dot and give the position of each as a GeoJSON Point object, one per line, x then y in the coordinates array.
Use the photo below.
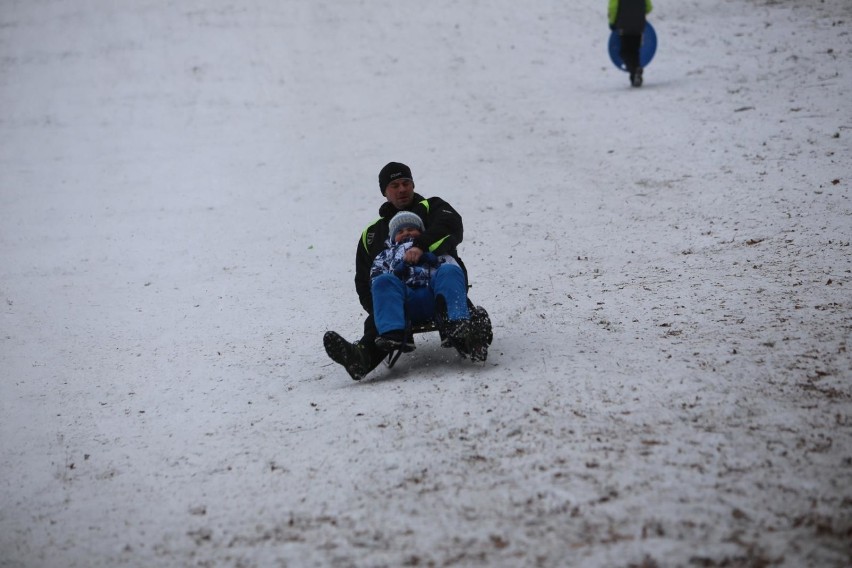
{"type": "Point", "coordinates": [667, 269]}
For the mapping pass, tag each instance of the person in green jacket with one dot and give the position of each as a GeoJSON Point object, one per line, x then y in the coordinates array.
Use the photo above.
{"type": "Point", "coordinates": [627, 17]}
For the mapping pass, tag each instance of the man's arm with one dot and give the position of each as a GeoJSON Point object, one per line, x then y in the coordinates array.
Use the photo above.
{"type": "Point", "coordinates": [363, 263]}
{"type": "Point", "coordinates": [444, 227]}
{"type": "Point", "coordinates": [612, 11]}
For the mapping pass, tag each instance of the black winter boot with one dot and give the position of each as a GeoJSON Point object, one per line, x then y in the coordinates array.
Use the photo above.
{"type": "Point", "coordinates": [481, 334]}
{"type": "Point", "coordinates": [456, 335]}
{"type": "Point", "coordinates": [352, 356]}
{"type": "Point", "coordinates": [636, 77]}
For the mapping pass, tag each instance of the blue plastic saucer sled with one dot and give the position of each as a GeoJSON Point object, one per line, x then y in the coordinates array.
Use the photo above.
{"type": "Point", "coordinates": [646, 50]}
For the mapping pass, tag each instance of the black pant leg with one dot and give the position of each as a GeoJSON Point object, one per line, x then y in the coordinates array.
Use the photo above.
{"type": "Point", "coordinates": [368, 340]}
{"type": "Point", "coordinates": [630, 51]}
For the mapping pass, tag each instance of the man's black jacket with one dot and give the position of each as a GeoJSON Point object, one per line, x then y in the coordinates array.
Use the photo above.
{"type": "Point", "coordinates": [444, 231]}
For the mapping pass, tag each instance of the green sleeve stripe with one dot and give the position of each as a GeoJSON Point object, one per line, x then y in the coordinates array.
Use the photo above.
{"type": "Point", "coordinates": [435, 245]}
{"type": "Point", "coordinates": [425, 203]}
{"type": "Point", "coordinates": [364, 234]}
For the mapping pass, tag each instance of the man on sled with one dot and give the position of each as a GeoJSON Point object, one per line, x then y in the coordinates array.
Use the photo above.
{"type": "Point", "coordinates": [409, 278]}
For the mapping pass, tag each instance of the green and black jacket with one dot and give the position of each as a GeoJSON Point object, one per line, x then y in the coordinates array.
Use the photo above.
{"type": "Point", "coordinates": [629, 15]}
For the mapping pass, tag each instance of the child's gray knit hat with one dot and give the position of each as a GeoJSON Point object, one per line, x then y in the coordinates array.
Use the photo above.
{"type": "Point", "coordinates": [402, 220]}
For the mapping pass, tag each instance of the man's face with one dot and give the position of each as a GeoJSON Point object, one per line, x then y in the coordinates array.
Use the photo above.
{"type": "Point", "coordinates": [400, 192]}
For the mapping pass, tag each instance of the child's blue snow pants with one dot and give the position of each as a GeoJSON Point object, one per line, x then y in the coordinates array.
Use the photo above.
{"type": "Point", "coordinates": [394, 301]}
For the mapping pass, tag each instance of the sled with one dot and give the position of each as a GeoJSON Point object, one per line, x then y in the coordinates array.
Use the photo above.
{"type": "Point", "coordinates": [478, 315]}
{"type": "Point", "coordinates": [646, 50]}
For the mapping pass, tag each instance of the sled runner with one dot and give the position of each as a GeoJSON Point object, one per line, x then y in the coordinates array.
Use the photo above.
{"type": "Point", "coordinates": [646, 50]}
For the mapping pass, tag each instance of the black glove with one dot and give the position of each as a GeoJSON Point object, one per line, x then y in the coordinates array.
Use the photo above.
{"type": "Point", "coordinates": [400, 270]}
{"type": "Point", "coordinates": [429, 259]}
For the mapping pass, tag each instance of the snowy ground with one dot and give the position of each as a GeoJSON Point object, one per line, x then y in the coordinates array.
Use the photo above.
{"type": "Point", "coordinates": [668, 270]}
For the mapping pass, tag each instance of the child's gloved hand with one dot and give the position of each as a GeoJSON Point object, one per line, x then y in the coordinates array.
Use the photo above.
{"type": "Point", "coordinates": [400, 270]}
{"type": "Point", "coordinates": [429, 259]}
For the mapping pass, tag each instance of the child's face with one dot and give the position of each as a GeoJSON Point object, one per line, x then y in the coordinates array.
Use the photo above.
{"type": "Point", "coordinates": [406, 233]}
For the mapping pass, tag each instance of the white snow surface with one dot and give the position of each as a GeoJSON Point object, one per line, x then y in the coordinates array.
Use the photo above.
{"type": "Point", "coordinates": [668, 270]}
